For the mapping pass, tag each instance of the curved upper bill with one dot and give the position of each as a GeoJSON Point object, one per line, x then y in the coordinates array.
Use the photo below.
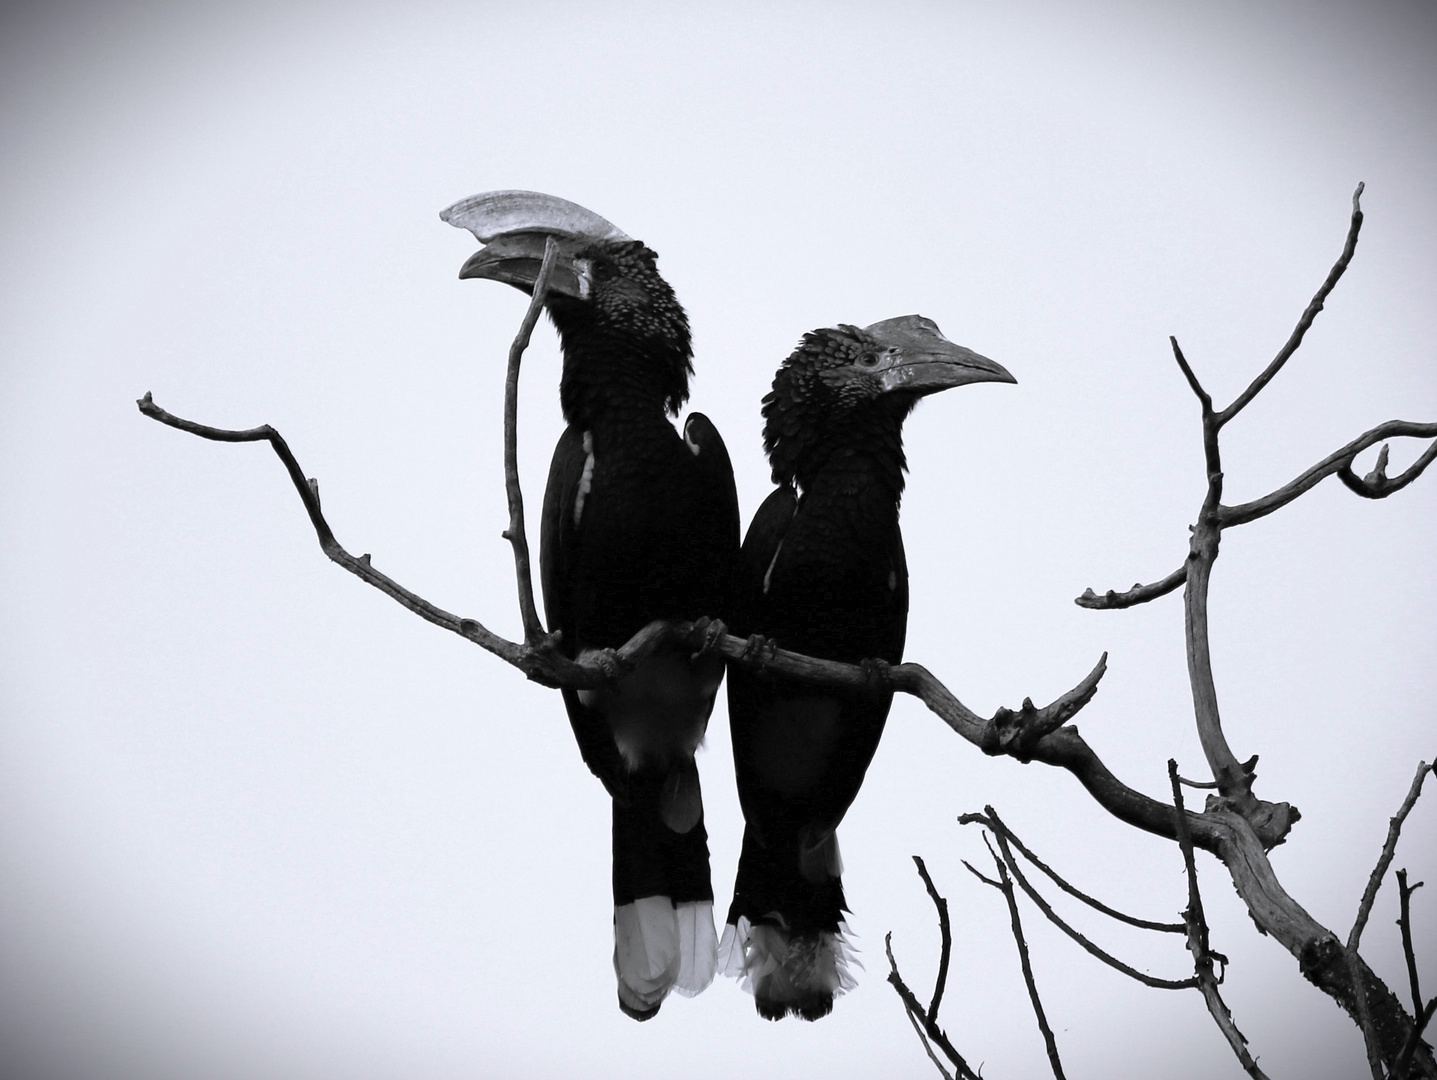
{"type": "Point", "coordinates": [921, 360]}
{"type": "Point", "coordinates": [498, 213]}
{"type": "Point", "coordinates": [513, 226]}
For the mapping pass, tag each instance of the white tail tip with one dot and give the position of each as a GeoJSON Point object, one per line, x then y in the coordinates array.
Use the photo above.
{"type": "Point", "coordinates": [661, 946]}
{"type": "Point", "coordinates": [788, 974]}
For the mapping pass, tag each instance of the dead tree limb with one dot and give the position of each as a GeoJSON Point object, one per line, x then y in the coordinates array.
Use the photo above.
{"type": "Point", "coordinates": [1237, 826]}
{"type": "Point", "coordinates": [929, 1033]}
{"type": "Point", "coordinates": [1197, 931]}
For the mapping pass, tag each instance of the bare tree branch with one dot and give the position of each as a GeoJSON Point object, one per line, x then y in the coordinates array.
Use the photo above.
{"type": "Point", "coordinates": [1364, 910]}
{"type": "Point", "coordinates": [990, 819]}
{"type": "Point", "coordinates": [919, 1019]}
{"type": "Point", "coordinates": [1138, 594]}
{"type": "Point", "coordinates": [1377, 484]}
{"type": "Point", "coordinates": [1005, 886]}
{"type": "Point", "coordinates": [1404, 924]}
{"type": "Point", "coordinates": [1197, 930]}
{"type": "Point", "coordinates": [1053, 917]}
{"type": "Point", "coordinates": [945, 939]}
{"type": "Point", "coordinates": [1389, 848]}
{"type": "Point", "coordinates": [1204, 398]}
{"type": "Point", "coordinates": [533, 629]}
{"type": "Point", "coordinates": [1338, 462]}
{"type": "Point", "coordinates": [1285, 353]}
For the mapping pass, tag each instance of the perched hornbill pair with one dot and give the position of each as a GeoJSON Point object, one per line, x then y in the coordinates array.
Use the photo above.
{"type": "Point", "coordinates": [642, 523]}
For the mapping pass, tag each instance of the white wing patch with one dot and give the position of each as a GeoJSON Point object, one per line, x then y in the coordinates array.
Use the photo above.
{"type": "Point", "coordinates": [586, 478]}
{"type": "Point", "coordinates": [768, 574]}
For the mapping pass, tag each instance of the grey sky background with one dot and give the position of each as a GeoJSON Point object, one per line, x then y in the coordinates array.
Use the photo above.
{"type": "Point", "coordinates": [258, 821]}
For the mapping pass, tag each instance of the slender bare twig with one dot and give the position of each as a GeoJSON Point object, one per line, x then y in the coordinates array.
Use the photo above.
{"type": "Point", "coordinates": [1389, 848]}
{"type": "Point", "coordinates": [919, 1019]}
{"type": "Point", "coordinates": [1054, 918]}
{"type": "Point", "coordinates": [1005, 886]}
{"type": "Point", "coordinates": [1364, 910]}
{"type": "Point", "coordinates": [1284, 354]}
{"type": "Point", "coordinates": [533, 629]}
{"type": "Point", "coordinates": [1335, 463]}
{"type": "Point", "coordinates": [1138, 594]}
{"type": "Point", "coordinates": [1204, 398]}
{"type": "Point", "coordinates": [991, 820]}
{"type": "Point", "coordinates": [1404, 924]}
{"type": "Point", "coordinates": [945, 935]}
{"type": "Point", "coordinates": [1198, 944]}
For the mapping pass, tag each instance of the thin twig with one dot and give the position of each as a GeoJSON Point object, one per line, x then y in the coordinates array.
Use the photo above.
{"type": "Point", "coordinates": [1198, 944]}
{"type": "Point", "coordinates": [1093, 950]}
{"type": "Point", "coordinates": [1005, 886]}
{"type": "Point", "coordinates": [991, 819]}
{"type": "Point", "coordinates": [945, 935]}
{"type": "Point", "coordinates": [1404, 924]}
{"type": "Point", "coordinates": [1364, 910]}
{"type": "Point", "coordinates": [1204, 398]}
{"type": "Point", "coordinates": [1394, 830]}
{"type": "Point", "coordinates": [1285, 353]}
{"type": "Point", "coordinates": [916, 1015]}
{"type": "Point", "coordinates": [1138, 594]}
{"type": "Point", "coordinates": [533, 629]}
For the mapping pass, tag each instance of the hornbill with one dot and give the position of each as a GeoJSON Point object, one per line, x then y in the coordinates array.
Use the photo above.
{"type": "Point", "coordinates": [639, 523]}
{"type": "Point", "coordinates": [821, 572]}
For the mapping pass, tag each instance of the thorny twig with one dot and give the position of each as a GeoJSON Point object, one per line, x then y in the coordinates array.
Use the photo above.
{"type": "Point", "coordinates": [1005, 886]}
{"type": "Point", "coordinates": [1203, 956]}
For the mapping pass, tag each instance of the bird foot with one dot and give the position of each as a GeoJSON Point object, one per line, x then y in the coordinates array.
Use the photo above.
{"type": "Point", "coordinates": [712, 631]}
{"type": "Point", "coordinates": [879, 675]}
{"type": "Point", "coordinates": [758, 649]}
{"type": "Point", "coordinates": [606, 660]}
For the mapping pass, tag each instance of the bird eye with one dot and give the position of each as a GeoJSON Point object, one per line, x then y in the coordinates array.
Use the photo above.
{"type": "Point", "coordinates": [603, 271]}
{"type": "Point", "coordinates": [868, 360]}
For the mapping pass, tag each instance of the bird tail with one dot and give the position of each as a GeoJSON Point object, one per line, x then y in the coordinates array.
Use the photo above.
{"type": "Point", "coordinates": [663, 900]}
{"type": "Point", "coordinates": [786, 940]}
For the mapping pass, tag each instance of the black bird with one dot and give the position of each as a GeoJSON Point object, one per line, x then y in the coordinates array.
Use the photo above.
{"type": "Point", "coordinates": [639, 523]}
{"type": "Point", "coordinates": [821, 572]}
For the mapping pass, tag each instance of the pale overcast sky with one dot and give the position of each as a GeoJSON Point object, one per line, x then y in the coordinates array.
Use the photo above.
{"type": "Point", "coordinates": [257, 821]}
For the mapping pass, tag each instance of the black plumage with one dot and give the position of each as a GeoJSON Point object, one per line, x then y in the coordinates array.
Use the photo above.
{"type": "Point", "coordinates": [639, 523]}
{"type": "Point", "coordinates": [822, 572]}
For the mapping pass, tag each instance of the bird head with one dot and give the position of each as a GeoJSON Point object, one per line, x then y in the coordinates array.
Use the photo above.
{"type": "Point", "coordinates": [855, 386]}
{"type": "Point", "coordinates": [606, 297]}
